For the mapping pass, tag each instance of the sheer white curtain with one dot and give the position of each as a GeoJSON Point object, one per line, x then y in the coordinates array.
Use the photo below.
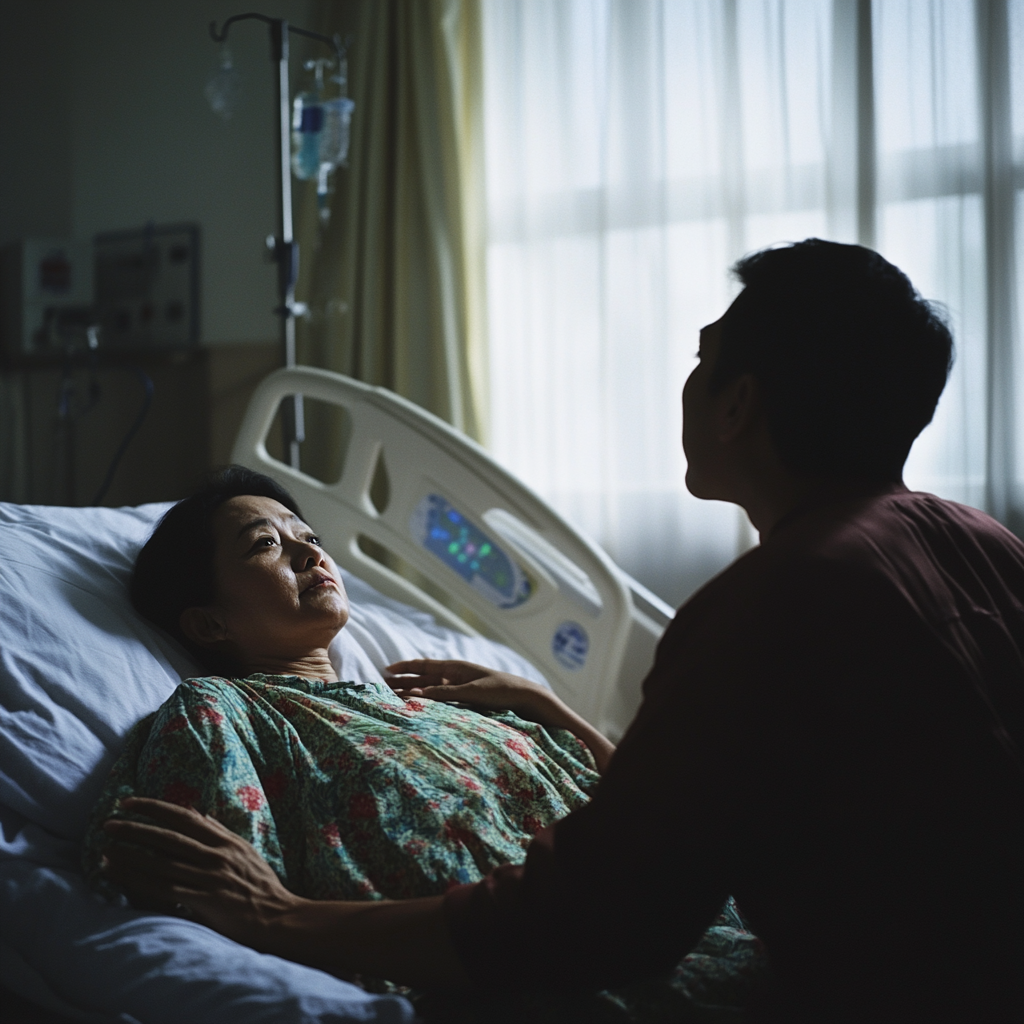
{"type": "Point", "coordinates": [636, 148]}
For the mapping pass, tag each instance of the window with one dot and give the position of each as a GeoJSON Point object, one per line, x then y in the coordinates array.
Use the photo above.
{"type": "Point", "coordinates": [636, 148]}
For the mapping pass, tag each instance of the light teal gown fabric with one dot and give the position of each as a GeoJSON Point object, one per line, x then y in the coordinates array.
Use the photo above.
{"type": "Point", "coordinates": [345, 789]}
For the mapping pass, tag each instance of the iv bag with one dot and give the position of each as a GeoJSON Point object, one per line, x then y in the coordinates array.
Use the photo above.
{"type": "Point", "coordinates": [224, 86]}
{"type": "Point", "coordinates": [320, 135]}
{"type": "Point", "coordinates": [335, 133]}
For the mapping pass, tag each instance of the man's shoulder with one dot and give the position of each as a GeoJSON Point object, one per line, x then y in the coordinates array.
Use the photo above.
{"type": "Point", "coordinates": [967, 522]}
{"type": "Point", "coordinates": [876, 531]}
{"type": "Point", "coordinates": [734, 607]}
{"type": "Point", "coordinates": [908, 542]}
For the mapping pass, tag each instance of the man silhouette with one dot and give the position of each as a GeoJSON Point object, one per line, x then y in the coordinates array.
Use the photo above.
{"type": "Point", "coordinates": [831, 732]}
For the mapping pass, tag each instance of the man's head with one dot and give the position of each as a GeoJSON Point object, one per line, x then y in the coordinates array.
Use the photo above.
{"type": "Point", "coordinates": [843, 359]}
{"type": "Point", "coordinates": [236, 576]}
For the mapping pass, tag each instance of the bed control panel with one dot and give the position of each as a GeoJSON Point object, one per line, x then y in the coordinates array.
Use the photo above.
{"type": "Point", "coordinates": [570, 579]}
{"type": "Point", "coordinates": [458, 542]}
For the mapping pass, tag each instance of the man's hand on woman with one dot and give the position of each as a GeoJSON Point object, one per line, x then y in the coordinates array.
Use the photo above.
{"type": "Point", "coordinates": [466, 683]}
{"type": "Point", "coordinates": [184, 859]}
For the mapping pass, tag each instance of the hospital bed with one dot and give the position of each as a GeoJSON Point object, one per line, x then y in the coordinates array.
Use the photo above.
{"type": "Point", "coordinates": [454, 558]}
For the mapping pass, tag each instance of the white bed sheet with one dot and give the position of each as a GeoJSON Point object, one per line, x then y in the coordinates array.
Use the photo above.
{"type": "Point", "coordinates": [78, 668]}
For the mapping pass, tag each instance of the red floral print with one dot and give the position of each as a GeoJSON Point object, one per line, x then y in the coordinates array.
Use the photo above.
{"type": "Point", "coordinates": [250, 797]}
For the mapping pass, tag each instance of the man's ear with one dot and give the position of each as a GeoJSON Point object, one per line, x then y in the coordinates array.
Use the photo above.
{"type": "Point", "coordinates": [739, 406]}
{"type": "Point", "coordinates": [203, 626]}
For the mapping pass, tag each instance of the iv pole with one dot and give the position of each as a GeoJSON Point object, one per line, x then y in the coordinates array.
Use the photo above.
{"type": "Point", "coordinates": [284, 247]}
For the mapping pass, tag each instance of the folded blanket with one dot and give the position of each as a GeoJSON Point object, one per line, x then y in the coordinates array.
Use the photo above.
{"type": "Point", "coordinates": [348, 791]}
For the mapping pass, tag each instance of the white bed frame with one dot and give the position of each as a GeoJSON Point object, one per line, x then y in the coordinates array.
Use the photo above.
{"type": "Point", "coordinates": [589, 627]}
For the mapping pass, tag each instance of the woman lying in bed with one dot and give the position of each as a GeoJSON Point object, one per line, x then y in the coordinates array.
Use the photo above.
{"type": "Point", "coordinates": [349, 790]}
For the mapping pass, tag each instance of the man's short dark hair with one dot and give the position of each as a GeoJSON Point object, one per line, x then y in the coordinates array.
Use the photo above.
{"type": "Point", "coordinates": [850, 358]}
{"type": "Point", "coordinates": [174, 569]}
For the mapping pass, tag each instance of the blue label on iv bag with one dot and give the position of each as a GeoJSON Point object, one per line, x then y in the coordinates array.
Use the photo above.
{"type": "Point", "coordinates": [570, 645]}
{"type": "Point", "coordinates": [312, 118]}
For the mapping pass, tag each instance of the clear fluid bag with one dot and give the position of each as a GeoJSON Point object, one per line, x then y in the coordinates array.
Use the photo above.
{"type": "Point", "coordinates": [320, 134]}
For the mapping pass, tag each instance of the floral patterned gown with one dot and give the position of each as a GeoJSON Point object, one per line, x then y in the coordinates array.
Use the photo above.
{"type": "Point", "coordinates": [347, 790]}
{"type": "Point", "coordinates": [350, 792]}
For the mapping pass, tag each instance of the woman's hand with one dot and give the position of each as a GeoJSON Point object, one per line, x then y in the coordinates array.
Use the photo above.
{"type": "Point", "coordinates": [467, 683]}
{"type": "Point", "coordinates": [191, 860]}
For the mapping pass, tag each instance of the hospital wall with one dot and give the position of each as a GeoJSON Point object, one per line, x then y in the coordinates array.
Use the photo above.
{"type": "Point", "coordinates": [105, 126]}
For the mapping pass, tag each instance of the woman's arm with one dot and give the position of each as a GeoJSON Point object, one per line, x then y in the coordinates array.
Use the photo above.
{"type": "Point", "coordinates": [192, 860]}
{"type": "Point", "coordinates": [467, 683]}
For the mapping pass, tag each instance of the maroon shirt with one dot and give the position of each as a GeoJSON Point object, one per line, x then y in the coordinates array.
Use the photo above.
{"type": "Point", "coordinates": [831, 734]}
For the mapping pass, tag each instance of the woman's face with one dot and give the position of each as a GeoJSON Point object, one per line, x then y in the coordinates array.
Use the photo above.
{"type": "Point", "coordinates": [279, 594]}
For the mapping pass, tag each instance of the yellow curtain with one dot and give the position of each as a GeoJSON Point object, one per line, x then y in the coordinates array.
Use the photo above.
{"type": "Point", "coordinates": [395, 281]}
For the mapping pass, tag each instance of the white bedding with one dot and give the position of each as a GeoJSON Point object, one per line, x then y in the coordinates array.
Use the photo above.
{"type": "Point", "coordinates": [78, 668]}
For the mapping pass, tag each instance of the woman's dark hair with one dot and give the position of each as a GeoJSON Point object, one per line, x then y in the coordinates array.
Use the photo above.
{"type": "Point", "coordinates": [174, 569]}
{"type": "Point", "coordinates": [850, 357]}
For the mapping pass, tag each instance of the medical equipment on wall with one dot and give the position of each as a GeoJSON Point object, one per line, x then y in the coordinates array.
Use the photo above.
{"type": "Point", "coordinates": [126, 291]}
{"type": "Point", "coordinates": [91, 309]}
{"type": "Point", "coordinates": [147, 287]}
{"type": "Point", "coordinates": [46, 289]}
{"type": "Point", "coordinates": [321, 147]}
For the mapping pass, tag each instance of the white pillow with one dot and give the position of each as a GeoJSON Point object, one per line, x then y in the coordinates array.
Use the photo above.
{"type": "Point", "coordinates": [78, 667]}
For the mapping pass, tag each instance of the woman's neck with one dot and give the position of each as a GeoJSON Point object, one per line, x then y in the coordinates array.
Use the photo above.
{"type": "Point", "coordinates": [315, 665]}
